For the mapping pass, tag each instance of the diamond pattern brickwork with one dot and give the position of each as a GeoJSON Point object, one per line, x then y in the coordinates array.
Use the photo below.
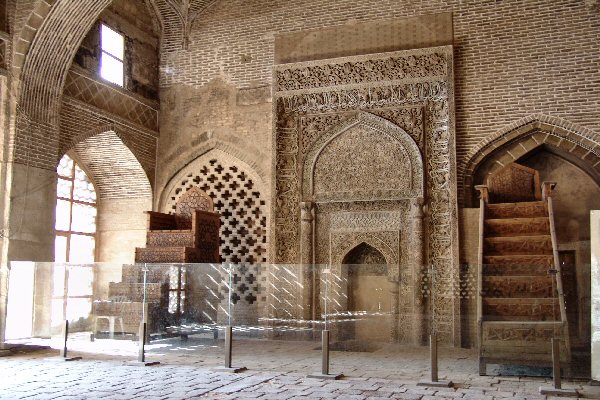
{"type": "Point", "coordinates": [111, 99]}
{"type": "Point", "coordinates": [240, 203]}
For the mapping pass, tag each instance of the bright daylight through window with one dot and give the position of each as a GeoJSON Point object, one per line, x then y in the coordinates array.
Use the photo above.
{"type": "Point", "coordinates": [113, 50]}
{"type": "Point", "coordinates": [75, 214]}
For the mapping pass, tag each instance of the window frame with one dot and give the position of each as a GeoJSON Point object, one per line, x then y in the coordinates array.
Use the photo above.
{"type": "Point", "coordinates": [71, 200]}
{"type": "Point", "coordinates": [114, 57]}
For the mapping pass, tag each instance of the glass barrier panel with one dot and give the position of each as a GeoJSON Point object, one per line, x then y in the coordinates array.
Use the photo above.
{"type": "Point", "coordinates": [32, 299]}
{"type": "Point", "coordinates": [360, 308]}
{"type": "Point", "coordinates": [186, 311]}
{"type": "Point", "coordinates": [272, 315]}
{"type": "Point", "coordinates": [103, 310]}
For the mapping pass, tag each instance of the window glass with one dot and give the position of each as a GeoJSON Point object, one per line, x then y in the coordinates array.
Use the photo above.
{"type": "Point", "coordinates": [113, 52]}
{"type": "Point", "coordinates": [84, 218]}
{"type": "Point", "coordinates": [60, 249]}
{"type": "Point", "coordinates": [112, 42]}
{"type": "Point", "coordinates": [65, 167]}
{"type": "Point", "coordinates": [81, 249]}
{"type": "Point", "coordinates": [84, 188]}
{"type": "Point", "coordinates": [74, 243]}
{"type": "Point", "coordinates": [63, 188]}
{"type": "Point", "coordinates": [63, 215]}
{"type": "Point", "coordinates": [111, 69]}
{"type": "Point", "coordinates": [75, 214]}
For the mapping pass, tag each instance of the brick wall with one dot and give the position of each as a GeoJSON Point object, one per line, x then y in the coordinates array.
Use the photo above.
{"type": "Point", "coordinates": [513, 58]}
{"type": "Point", "coordinates": [133, 20]}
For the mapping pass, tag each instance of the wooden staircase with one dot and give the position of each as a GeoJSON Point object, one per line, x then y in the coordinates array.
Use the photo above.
{"type": "Point", "coordinates": [521, 306]}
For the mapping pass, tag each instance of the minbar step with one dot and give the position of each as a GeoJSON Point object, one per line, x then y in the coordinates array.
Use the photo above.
{"type": "Point", "coordinates": [166, 254]}
{"type": "Point", "coordinates": [526, 209]}
{"type": "Point", "coordinates": [527, 340]}
{"type": "Point", "coordinates": [520, 309]}
{"type": "Point", "coordinates": [518, 245]}
{"type": "Point", "coordinates": [519, 286]}
{"type": "Point", "coordinates": [517, 227]}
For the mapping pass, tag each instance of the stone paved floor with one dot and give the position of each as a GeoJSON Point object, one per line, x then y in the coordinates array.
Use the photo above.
{"type": "Point", "coordinates": [277, 370]}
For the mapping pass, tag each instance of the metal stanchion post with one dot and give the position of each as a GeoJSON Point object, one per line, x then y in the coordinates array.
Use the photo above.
{"type": "Point", "coordinates": [434, 382]}
{"type": "Point", "coordinates": [143, 331]}
{"type": "Point", "coordinates": [433, 356]}
{"type": "Point", "coordinates": [325, 352]}
{"type": "Point", "coordinates": [229, 353]}
{"type": "Point", "coordinates": [228, 346]}
{"type": "Point", "coordinates": [556, 389]}
{"type": "Point", "coordinates": [229, 336]}
{"type": "Point", "coordinates": [64, 350]}
{"type": "Point", "coordinates": [143, 334]}
{"type": "Point", "coordinates": [142, 343]}
{"type": "Point", "coordinates": [325, 342]}
{"type": "Point", "coordinates": [556, 363]}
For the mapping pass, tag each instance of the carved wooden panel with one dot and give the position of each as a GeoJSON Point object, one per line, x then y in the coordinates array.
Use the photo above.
{"type": "Point", "coordinates": [514, 183]}
{"type": "Point", "coordinates": [528, 245]}
{"type": "Point", "coordinates": [518, 227]}
{"type": "Point", "coordinates": [519, 210]}
{"type": "Point", "coordinates": [515, 332]}
{"type": "Point", "coordinates": [525, 286]}
{"type": "Point", "coordinates": [521, 309]}
{"type": "Point", "coordinates": [192, 199]}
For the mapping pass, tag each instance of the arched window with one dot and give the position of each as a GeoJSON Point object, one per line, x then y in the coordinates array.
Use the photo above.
{"type": "Point", "coordinates": [75, 214]}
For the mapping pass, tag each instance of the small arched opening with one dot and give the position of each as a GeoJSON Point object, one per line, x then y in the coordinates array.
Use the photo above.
{"type": "Point", "coordinates": [368, 294]}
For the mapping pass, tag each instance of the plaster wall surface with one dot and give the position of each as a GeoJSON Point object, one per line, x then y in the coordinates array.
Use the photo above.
{"type": "Point", "coordinates": [575, 194]}
{"type": "Point", "coordinates": [194, 120]}
{"type": "Point", "coordinates": [121, 227]}
{"type": "Point", "coordinates": [32, 214]}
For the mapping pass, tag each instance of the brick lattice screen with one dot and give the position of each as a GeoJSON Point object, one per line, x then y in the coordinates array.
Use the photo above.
{"type": "Point", "coordinates": [241, 205]}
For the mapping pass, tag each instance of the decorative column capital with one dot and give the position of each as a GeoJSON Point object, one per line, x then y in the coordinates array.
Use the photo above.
{"type": "Point", "coordinates": [306, 211]}
{"type": "Point", "coordinates": [417, 207]}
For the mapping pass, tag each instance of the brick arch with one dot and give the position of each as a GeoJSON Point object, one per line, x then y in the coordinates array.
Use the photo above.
{"type": "Point", "coordinates": [23, 41]}
{"type": "Point", "coordinates": [125, 139]}
{"type": "Point", "coordinates": [113, 167]}
{"type": "Point", "coordinates": [578, 145]}
{"type": "Point", "coordinates": [50, 54]}
{"type": "Point", "coordinates": [190, 154]}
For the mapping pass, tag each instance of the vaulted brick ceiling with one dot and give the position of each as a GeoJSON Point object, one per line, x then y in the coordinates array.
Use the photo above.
{"type": "Point", "coordinates": [114, 168]}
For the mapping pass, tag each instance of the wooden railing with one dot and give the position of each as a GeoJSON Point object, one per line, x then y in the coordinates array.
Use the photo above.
{"type": "Point", "coordinates": [547, 189]}
{"type": "Point", "coordinates": [483, 199]}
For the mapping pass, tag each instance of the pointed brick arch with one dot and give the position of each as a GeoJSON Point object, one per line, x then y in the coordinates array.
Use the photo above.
{"type": "Point", "coordinates": [578, 145]}
{"type": "Point", "coordinates": [114, 168]}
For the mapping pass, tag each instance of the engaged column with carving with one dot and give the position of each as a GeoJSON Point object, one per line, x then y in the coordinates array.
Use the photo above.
{"type": "Point", "coordinates": [307, 214]}
{"type": "Point", "coordinates": [417, 260]}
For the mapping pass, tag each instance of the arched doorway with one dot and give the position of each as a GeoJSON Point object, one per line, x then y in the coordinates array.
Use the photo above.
{"type": "Point", "coordinates": [565, 154]}
{"type": "Point", "coordinates": [368, 294]}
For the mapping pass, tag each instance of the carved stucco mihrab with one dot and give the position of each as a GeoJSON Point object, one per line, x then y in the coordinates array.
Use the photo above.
{"type": "Point", "coordinates": [412, 91]}
{"type": "Point", "coordinates": [380, 161]}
